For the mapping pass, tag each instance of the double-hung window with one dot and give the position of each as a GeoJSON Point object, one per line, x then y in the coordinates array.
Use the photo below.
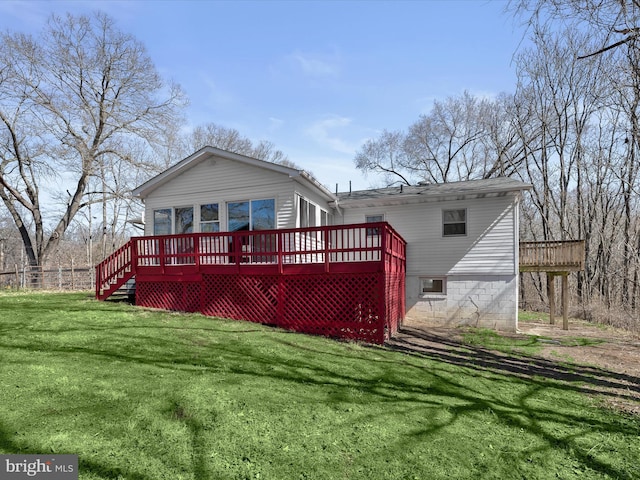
{"type": "Point", "coordinates": [454, 222]}
{"type": "Point", "coordinates": [162, 221]}
{"type": "Point", "coordinates": [373, 219]}
{"type": "Point", "coordinates": [209, 218]}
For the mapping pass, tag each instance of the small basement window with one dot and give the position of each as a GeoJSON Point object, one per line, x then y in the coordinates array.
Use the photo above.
{"type": "Point", "coordinates": [432, 285]}
{"type": "Point", "coordinates": [454, 222]}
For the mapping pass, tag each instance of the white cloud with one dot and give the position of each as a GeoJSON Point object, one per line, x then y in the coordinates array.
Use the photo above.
{"type": "Point", "coordinates": [315, 65]}
{"type": "Point", "coordinates": [324, 132]}
{"type": "Point", "coordinates": [275, 124]}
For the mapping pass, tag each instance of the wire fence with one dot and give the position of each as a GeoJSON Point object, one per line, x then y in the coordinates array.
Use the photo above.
{"type": "Point", "coordinates": [52, 278]}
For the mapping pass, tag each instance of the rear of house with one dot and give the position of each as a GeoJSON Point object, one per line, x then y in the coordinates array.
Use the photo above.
{"type": "Point", "coordinates": [462, 247]}
{"type": "Point", "coordinates": [462, 238]}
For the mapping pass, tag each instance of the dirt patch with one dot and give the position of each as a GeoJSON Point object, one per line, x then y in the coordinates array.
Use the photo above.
{"type": "Point", "coordinates": [606, 348]}
{"type": "Point", "coordinates": [600, 361]}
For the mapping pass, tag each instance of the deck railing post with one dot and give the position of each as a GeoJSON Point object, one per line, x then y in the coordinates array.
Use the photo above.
{"type": "Point", "coordinates": [134, 253]}
{"type": "Point", "coordinates": [236, 241]}
{"type": "Point", "coordinates": [161, 253]}
{"type": "Point", "coordinates": [196, 250]}
{"type": "Point", "coordinates": [280, 252]}
{"type": "Point", "coordinates": [326, 248]}
{"type": "Point", "coordinates": [98, 278]}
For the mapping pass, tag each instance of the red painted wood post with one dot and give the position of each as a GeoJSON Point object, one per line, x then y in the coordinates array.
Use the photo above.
{"type": "Point", "coordinates": [134, 254]}
{"type": "Point", "coordinates": [196, 250]}
{"type": "Point", "coordinates": [98, 279]}
{"type": "Point", "coordinates": [383, 320]}
{"type": "Point", "coordinates": [281, 299]}
{"type": "Point", "coordinates": [327, 248]}
{"type": "Point", "coordinates": [161, 253]}
{"type": "Point", "coordinates": [280, 246]}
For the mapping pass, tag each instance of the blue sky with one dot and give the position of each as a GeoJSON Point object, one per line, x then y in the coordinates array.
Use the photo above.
{"type": "Point", "coordinates": [316, 78]}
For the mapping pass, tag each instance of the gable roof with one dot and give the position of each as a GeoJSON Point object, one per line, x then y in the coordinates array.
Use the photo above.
{"type": "Point", "coordinates": [204, 153]}
{"type": "Point", "coordinates": [491, 187]}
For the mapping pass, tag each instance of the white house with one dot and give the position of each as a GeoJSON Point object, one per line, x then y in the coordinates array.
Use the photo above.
{"type": "Point", "coordinates": [462, 238]}
{"type": "Point", "coordinates": [462, 247]}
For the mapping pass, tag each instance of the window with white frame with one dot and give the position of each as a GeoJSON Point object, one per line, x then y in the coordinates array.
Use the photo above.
{"type": "Point", "coordinates": [209, 218]}
{"type": "Point", "coordinates": [324, 218]}
{"type": "Point", "coordinates": [175, 220]}
{"type": "Point", "coordinates": [251, 215]}
{"type": "Point", "coordinates": [373, 219]}
{"type": "Point", "coordinates": [183, 219]}
{"type": "Point", "coordinates": [310, 214]}
{"type": "Point", "coordinates": [433, 285]}
{"type": "Point", "coordinates": [162, 221]}
{"type": "Point", "coordinates": [454, 222]}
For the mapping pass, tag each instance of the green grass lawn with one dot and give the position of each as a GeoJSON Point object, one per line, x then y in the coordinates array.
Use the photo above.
{"type": "Point", "coordinates": [148, 395]}
{"type": "Point", "coordinates": [523, 344]}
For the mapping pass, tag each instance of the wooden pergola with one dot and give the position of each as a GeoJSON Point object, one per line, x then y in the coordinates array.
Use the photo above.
{"type": "Point", "coordinates": [556, 259]}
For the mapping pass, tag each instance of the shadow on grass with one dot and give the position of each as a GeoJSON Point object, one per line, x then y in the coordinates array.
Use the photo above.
{"type": "Point", "coordinates": [591, 380]}
{"type": "Point", "coordinates": [84, 466]}
{"type": "Point", "coordinates": [436, 379]}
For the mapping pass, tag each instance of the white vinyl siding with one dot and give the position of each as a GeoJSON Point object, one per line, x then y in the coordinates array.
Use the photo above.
{"type": "Point", "coordinates": [494, 250]}
{"type": "Point", "coordinates": [221, 181]}
{"type": "Point", "coordinates": [488, 248]}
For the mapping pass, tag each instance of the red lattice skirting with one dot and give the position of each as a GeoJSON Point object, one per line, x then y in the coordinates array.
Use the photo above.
{"type": "Point", "coordinates": [360, 306]}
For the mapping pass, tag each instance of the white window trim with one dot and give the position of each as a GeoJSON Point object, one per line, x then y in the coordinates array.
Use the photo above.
{"type": "Point", "coordinates": [373, 232]}
{"type": "Point", "coordinates": [174, 222]}
{"type": "Point", "coordinates": [153, 220]}
{"type": "Point", "coordinates": [374, 215]}
{"type": "Point", "coordinates": [197, 211]}
{"type": "Point", "coordinates": [466, 223]}
{"type": "Point", "coordinates": [317, 215]}
{"type": "Point", "coordinates": [226, 211]}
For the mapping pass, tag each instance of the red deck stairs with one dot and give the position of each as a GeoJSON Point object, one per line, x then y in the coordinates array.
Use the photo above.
{"type": "Point", "coordinates": [114, 271]}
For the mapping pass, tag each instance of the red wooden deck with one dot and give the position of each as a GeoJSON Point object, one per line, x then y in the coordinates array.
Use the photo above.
{"type": "Point", "coordinates": [340, 281]}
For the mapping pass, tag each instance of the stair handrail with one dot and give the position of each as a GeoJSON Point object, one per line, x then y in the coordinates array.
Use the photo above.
{"type": "Point", "coordinates": [121, 262]}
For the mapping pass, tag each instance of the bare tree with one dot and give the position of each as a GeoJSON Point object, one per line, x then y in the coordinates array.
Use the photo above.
{"type": "Point", "coordinates": [387, 156]}
{"type": "Point", "coordinates": [71, 103]}
{"type": "Point", "coordinates": [231, 140]}
{"type": "Point", "coordinates": [614, 22]}
{"type": "Point", "coordinates": [461, 138]}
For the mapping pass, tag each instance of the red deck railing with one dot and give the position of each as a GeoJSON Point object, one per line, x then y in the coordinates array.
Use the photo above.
{"type": "Point", "coordinates": [281, 251]}
{"type": "Point", "coordinates": [345, 280]}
